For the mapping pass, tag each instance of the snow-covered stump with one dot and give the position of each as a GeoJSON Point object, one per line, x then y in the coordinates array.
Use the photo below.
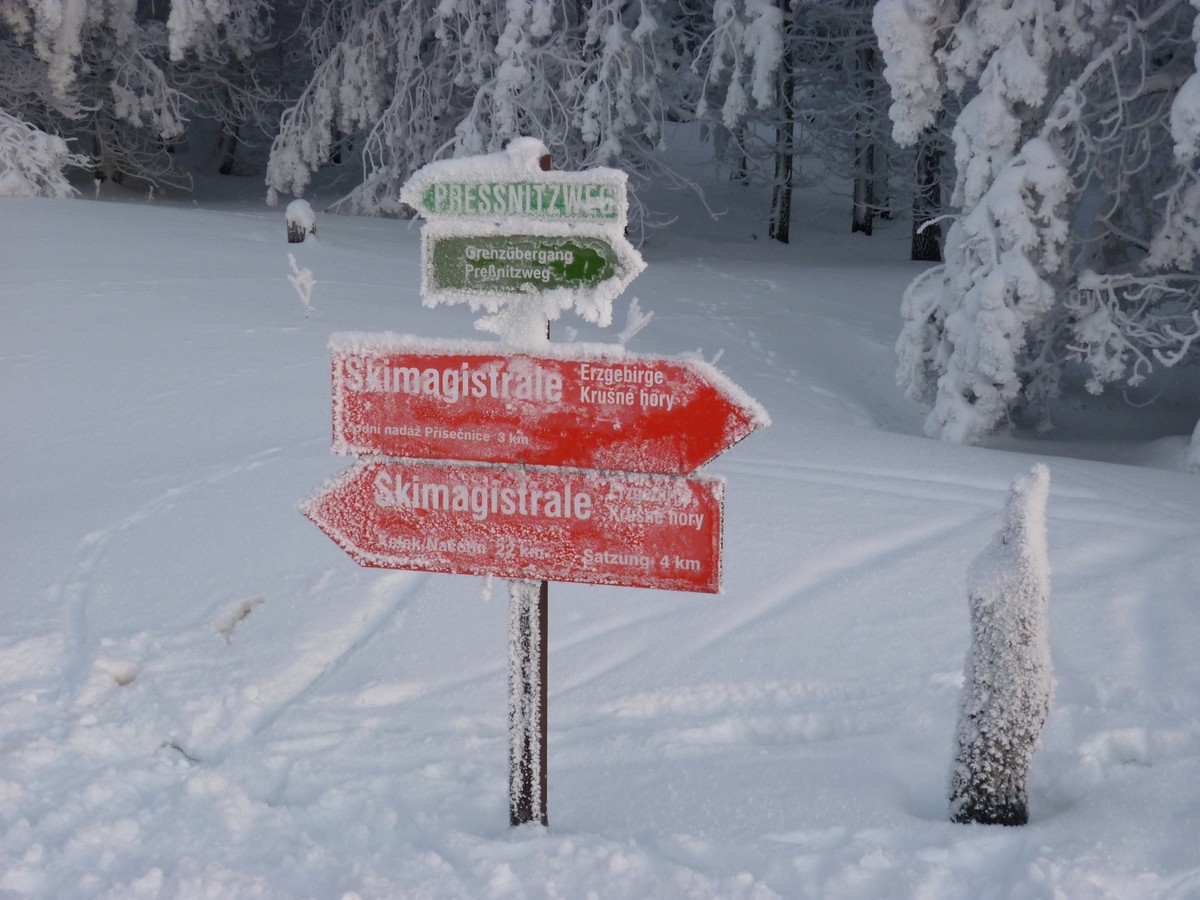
{"type": "Point", "coordinates": [1008, 686]}
{"type": "Point", "coordinates": [527, 693]}
{"type": "Point", "coordinates": [301, 221]}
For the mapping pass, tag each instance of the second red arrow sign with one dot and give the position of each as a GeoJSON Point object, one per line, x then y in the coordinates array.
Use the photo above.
{"type": "Point", "coordinates": [636, 530]}
{"type": "Point", "coordinates": [593, 411]}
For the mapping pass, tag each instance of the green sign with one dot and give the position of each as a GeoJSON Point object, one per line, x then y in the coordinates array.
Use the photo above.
{"type": "Point", "coordinates": [520, 264]}
{"type": "Point", "coordinates": [547, 198]}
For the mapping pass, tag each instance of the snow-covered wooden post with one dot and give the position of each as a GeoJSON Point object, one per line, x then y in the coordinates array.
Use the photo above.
{"type": "Point", "coordinates": [528, 700]}
{"type": "Point", "coordinates": [301, 221]}
{"type": "Point", "coordinates": [1008, 685]}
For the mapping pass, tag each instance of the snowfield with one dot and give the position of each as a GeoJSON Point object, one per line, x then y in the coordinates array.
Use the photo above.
{"type": "Point", "coordinates": [201, 696]}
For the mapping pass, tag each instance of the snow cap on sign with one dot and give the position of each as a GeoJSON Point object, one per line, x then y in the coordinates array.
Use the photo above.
{"type": "Point", "coordinates": [526, 154]}
{"type": "Point", "coordinates": [521, 156]}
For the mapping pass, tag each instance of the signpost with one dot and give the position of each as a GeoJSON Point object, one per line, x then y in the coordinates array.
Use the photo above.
{"type": "Point", "coordinates": [565, 464]}
{"type": "Point", "coordinates": [585, 410]}
{"type": "Point", "coordinates": [543, 524]}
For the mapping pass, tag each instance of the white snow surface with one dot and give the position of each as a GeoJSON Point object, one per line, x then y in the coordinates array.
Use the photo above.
{"type": "Point", "coordinates": [202, 696]}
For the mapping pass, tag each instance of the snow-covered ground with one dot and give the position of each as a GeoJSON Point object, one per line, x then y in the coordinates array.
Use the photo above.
{"type": "Point", "coordinates": [202, 696]}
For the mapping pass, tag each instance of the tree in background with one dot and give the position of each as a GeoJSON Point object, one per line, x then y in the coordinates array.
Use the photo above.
{"type": "Point", "coordinates": [32, 162]}
{"type": "Point", "coordinates": [227, 58]}
{"type": "Point", "coordinates": [1076, 179]}
{"type": "Point", "coordinates": [785, 79]}
{"type": "Point", "coordinates": [747, 71]}
{"type": "Point", "coordinates": [1008, 682]}
{"type": "Point", "coordinates": [94, 73]}
{"type": "Point", "coordinates": [381, 87]}
{"type": "Point", "coordinates": [415, 80]}
{"type": "Point", "coordinates": [122, 79]}
{"type": "Point", "coordinates": [927, 206]}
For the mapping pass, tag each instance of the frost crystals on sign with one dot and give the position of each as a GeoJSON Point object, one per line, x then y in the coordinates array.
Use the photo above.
{"type": "Point", "coordinates": [522, 244]}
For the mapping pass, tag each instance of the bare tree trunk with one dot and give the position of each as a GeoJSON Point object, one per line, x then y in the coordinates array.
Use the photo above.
{"type": "Point", "coordinates": [739, 165]}
{"type": "Point", "coordinates": [864, 185]}
{"type": "Point", "coordinates": [883, 184]}
{"type": "Point", "coordinates": [780, 226]}
{"type": "Point", "coordinates": [926, 231]}
{"type": "Point", "coordinates": [864, 147]}
{"type": "Point", "coordinates": [227, 147]}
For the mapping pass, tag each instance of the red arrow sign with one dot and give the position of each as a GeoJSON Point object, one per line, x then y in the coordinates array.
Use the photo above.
{"type": "Point", "coordinates": [632, 530]}
{"type": "Point", "coordinates": [612, 412]}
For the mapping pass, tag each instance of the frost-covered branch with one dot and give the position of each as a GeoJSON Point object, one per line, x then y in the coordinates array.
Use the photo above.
{"type": "Point", "coordinates": [32, 162]}
{"type": "Point", "coordinates": [411, 81]}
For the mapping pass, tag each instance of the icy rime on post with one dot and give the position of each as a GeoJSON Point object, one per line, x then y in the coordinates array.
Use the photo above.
{"type": "Point", "coordinates": [1008, 685]}
{"type": "Point", "coordinates": [529, 603]}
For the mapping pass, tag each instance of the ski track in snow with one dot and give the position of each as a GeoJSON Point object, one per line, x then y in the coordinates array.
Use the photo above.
{"type": "Point", "coordinates": [892, 482]}
{"type": "Point", "coordinates": [268, 700]}
{"type": "Point", "coordinates": [76, 588]}
{"type": "Point", "coordinates": [91, 665]}
{"type": "Point", "coordinates": [869, 552]}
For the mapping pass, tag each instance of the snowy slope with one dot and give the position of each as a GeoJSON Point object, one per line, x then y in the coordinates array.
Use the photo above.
{"type": "Point", "coordinates": [202, 696]}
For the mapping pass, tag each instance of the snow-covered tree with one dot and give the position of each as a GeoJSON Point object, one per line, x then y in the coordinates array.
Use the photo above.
{"type": "Point", "coordinates": [122, 78]}
{"type": "Point", "coordinates": [94, 72]}
{"type": "Point", "coordinates": [744, 53]}
{"type": "Point", "coordinates": [415, 80]}
{"type": "Point", "coordinates": [1008, 682]}
{"type": "Point", "coordinates": [228, 58]}
{"type": "Point", "coordinates": [1077, 177]}
{"type": "Point", "coordinates": [748, 71]}
{"type": "Point", "coordinates": [801, 79]}
{"type": "Point", "coordinates": [32, 162]}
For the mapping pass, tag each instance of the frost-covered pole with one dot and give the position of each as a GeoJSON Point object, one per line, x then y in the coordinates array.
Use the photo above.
{"type": "Point", "coordinates": [1008, 684]}
{"type": "Point", "coordinates": [528, 639]}
{"type": "Point", "coordinates": [528, 659]}
{"type": "Point", "coordinates": [527, 680]}
{"type": "Point", "coordinates": [528, 667]}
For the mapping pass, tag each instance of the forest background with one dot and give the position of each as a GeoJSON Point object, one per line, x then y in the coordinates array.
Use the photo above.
{"type": "Point", "coordinates": [1049, 149]}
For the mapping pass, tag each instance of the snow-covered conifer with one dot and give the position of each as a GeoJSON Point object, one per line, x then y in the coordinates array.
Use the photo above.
{"type": "Point", "coordinates": [910, 33]}
{"type": "Point", "coordinates": [1008, 681]}
{"type": "Point", "coordinates": [1076, 187]}
{"type": "Point", "coordinates": [417, 80]}
{"type": "Point", "coordinates": [744, 53]}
